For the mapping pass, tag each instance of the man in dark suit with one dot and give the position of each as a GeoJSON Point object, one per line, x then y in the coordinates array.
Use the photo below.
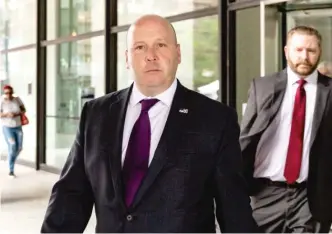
{"type": "Point", "coordinates": [286, 141]}
{"type": "Point", "coordinates": [155, 157]}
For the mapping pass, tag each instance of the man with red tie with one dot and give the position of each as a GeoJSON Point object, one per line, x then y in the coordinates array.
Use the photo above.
{"type": "Point", "coordinates": [286, 136]}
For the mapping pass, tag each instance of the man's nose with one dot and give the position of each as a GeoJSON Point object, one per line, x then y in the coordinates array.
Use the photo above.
{"type": "Point", "coordinates": [151, 55]}
{"type": "Point", "coordinates": [304, 54]}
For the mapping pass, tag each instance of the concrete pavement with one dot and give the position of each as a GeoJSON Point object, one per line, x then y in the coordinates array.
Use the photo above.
{"type": "Point", "coordinates": [24, 200]}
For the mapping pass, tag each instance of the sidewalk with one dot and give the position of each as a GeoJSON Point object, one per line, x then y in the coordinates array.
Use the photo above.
{"type": "Point", "coordinates": [24, 200]}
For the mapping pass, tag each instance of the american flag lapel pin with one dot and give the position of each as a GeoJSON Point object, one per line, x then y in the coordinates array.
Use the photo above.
{"type": "Point", "coordinates": [183, 111]}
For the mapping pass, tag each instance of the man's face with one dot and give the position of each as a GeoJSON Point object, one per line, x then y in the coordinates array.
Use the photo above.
{"type": "Point", "coordinates": [303, 53]}
{"type": "Point", "coordinates": [153, 54]}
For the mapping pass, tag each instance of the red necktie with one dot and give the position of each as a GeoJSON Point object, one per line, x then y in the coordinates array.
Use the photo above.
{"type": "Point", "coordinates": [295, 147]}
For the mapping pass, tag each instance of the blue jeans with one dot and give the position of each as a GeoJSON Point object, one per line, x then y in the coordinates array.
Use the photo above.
{"type": "Point", "coordinates": [14, 139]}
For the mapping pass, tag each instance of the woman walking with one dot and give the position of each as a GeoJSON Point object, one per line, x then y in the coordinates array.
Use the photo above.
{"type": "Point", "coordinates": [10, 112]}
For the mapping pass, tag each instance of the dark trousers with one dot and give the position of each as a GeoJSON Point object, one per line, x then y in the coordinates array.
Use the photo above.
{"type": "Point", "coordinates": [284, 209]}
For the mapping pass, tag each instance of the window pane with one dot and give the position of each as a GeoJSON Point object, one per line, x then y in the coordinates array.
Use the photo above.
{"type": "Point", "coordinates": [199, 47]}
{"type": "Point", "coordinates": [75, 74]}
{"type": "Point", "coordinates": [124, 79]}
{"type": "Point", "coordinates": [74, 17]}
{"type": "Point", "coordinates": [200, 54]}
{"type": "Point", "coordinates": [247, 54]}
{"type": "Point", "coordinates": [130, 10]}
{"type": "Point", "coordinates": [17, 22]}
{"type": "Point", "coordinates": [21, 74]}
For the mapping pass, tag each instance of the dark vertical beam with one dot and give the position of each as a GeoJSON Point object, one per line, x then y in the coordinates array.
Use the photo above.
{"type": "Point", "coordinates": [111, 20]}
{"type": "Point", "coordinates": [227, 59]}
{"type": "Point", "coordinates": [223, 38]}
{"type": "Point", "coordinates": [41, 83]}
{"type": "Point", "coordinates": [107, 55]}
{"type": "Point", "coordinates": [231, 32]}
{"type": "Point", "coordinates": [113, 50]}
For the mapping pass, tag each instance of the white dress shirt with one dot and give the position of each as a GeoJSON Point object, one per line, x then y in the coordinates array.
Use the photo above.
{"type": "Point", "coordinates": [271, 156]}
{"type": "Point", "coordinates": [158, 115]}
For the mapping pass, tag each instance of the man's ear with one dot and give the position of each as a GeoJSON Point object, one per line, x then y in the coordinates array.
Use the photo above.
{"type": "Point", "coordinates": [286, 51]}
{"type": "Point", "coordinates": [127, 60]}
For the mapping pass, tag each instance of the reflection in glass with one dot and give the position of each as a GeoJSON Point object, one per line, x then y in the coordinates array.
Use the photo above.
{"type": "Point", "coordinates": [198, 70]}
{"type": "Point", "coordinates": [17, 23]}
{"type": "Point", "coordinates": [74, 17]}
{"type": "Point", "coordinates": [130, 10]}
{"type": "Point", "coordinates": [75, 74]}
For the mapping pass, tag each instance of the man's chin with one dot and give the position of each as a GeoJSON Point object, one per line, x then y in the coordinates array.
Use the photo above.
{"type": "Point", "coordinates": [305, 72]}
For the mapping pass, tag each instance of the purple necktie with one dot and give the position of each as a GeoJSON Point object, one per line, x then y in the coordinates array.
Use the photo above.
{"type": "Point", "coordinates": [136, 162]}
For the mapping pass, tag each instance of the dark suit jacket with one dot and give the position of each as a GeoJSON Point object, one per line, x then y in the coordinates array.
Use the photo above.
{"type": "Point", "coordinates": [198, 158]}
{"type": "Point", "coordinates": [265, 98]}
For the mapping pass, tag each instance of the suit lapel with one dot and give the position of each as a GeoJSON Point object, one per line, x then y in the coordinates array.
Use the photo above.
{"type": "Point", "coordinates": [112, 140]}
{"type": "Point", "coordinates": [321, 100]}
{"type": "Point", "coordinates": [175, 124]}
{"type": "Point", "coordinates": [279, 93]}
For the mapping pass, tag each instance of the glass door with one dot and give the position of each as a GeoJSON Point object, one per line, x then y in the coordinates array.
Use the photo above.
{"type": "Point", "coordinates": [271, 47]}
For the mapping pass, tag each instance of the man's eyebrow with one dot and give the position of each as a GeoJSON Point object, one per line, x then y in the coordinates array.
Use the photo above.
{"type": "Point", "coordinates": [138, 42]}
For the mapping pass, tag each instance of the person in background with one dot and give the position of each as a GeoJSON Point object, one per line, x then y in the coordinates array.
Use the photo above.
{"type": "Point", "coordinates": [286, 135]}
{"type": "Point", "coordinates": [325, 68]}
{"type": "Point", "coordinates": [10, 112]}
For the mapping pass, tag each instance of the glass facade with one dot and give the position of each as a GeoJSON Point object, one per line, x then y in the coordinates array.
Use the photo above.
{"type": "Point", "coordinates": [129, 10]}
{"type": "Point", "coordinates": [75, 58]}
{"type": "Point", "coordinates": [250, 63]}
{"type": "Point", "coordinates": [74, 76]}
{"type": "Point", "coordinates": [18, 23]}
{"type": "Point", "coordinates": [247, 54]}
{"type": "Point", "coordinates": [21, 75]}
{"type": "Point", "coordinates": [74, 17]}
{"type": "Point", "coordinates": [75, 61]}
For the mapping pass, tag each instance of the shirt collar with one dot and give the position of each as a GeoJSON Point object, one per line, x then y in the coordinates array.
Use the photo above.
{"type": "Point", "coordinates": [293, 77]}
{"type": "Point", "coordinates": [165, 97]}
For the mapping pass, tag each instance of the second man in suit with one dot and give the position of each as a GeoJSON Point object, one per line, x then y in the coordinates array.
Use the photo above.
{"type": "Point", "coordinates": [286, 141]}
{"type": "Point", "coordinates": [155, 157]}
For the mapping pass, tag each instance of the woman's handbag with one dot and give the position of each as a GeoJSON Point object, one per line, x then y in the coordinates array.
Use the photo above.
{"type": "Point", "coordinates": [24, 119]}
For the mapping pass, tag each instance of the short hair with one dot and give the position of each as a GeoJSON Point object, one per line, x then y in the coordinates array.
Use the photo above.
{"type": "Point", "coordinates": [307, 30]}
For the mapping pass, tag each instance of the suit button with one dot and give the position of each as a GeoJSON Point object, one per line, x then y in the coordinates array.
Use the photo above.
{"type": "Point", "coordinates": [129, 217]}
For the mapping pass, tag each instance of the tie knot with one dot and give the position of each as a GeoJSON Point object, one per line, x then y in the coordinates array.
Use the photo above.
{"type": "Point", "coordinates": [148, 103]}
{"type": "Point", "coordinates": [301, 82]}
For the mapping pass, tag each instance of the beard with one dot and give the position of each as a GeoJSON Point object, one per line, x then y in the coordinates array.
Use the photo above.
{"type": "Point", "coordinates": [303, 68]}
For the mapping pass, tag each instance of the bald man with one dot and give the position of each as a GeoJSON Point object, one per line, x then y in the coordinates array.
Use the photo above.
{"type": "Point", "coordinates": [155, 157]}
